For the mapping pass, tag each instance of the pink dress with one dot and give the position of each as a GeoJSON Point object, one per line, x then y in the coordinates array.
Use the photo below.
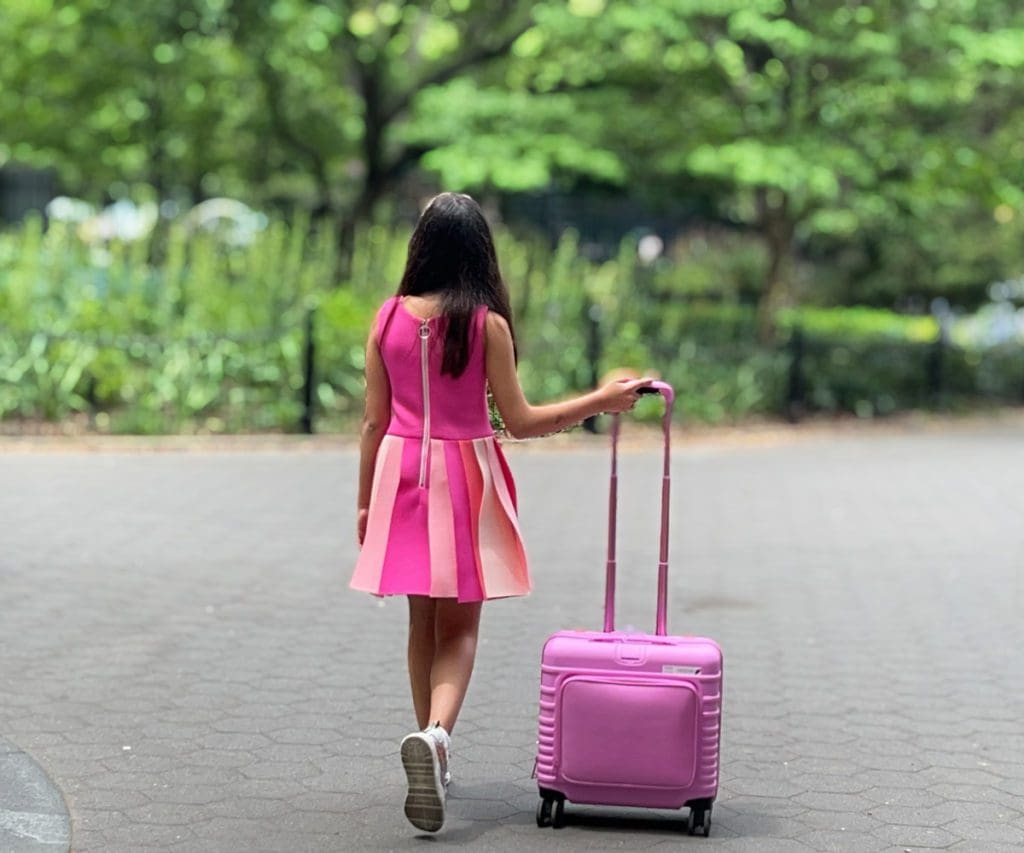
{"type": "Point", "coordinates": [442, 519]}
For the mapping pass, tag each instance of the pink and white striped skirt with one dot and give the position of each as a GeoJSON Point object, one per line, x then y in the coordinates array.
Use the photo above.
{"type": "Point", "coordinates": [455, 536]}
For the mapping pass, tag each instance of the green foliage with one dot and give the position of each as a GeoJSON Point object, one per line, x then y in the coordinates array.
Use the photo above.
{"type": "Point", "coordinates": [159, 336]}
{"type": "Point", "coordinates": [295, 100]}
{"type": "Point", "coordinates": [882, 142]}
{"type": "Point", "coordinates": [185, 333]}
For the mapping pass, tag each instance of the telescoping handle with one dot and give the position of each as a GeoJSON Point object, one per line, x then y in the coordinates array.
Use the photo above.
{"type": "Point", "coordinates": [666, 391]}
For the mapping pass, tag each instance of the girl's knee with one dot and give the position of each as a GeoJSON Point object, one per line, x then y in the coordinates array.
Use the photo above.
{"type": "Point", "coordinates": [454, 620]}
{"type": "Point", "coordinates": [422, 614]}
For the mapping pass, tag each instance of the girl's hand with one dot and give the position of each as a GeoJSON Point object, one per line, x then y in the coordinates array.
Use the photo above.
{"type": "Point", "coordinates": [621, 395]}
{"type": "Point", "coordinates": [361, 517]}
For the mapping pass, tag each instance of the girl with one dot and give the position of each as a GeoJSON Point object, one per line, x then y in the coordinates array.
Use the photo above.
{"type": "Point", "coordinates": [436, 517]}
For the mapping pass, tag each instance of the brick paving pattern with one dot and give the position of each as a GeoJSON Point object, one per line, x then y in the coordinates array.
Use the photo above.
{"type": "Point", "coordinates": [179, 652]}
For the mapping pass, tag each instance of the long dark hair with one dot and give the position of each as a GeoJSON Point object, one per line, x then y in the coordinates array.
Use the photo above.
{"type": "Point", "coordinates": [451, 252]}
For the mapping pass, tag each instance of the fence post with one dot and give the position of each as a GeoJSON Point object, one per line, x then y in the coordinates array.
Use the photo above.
{"type": "Point", "coordinates": [796, 392]}
{"type": "Point", "coordinates": [936, 370]}
{"type": "Point", "coordinates": [308, 373]}
{"type": "Point", "coordinates": [592, 317]}
{"type": "Point", "coordinates": [936, 364]}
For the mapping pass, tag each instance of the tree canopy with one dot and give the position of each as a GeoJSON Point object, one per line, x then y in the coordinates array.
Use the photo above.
{"type": "Point", "coordinates": [887, 136]}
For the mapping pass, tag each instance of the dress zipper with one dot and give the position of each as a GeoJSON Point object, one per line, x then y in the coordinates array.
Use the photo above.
{"type": "Point", "coordinates": [425, 449]}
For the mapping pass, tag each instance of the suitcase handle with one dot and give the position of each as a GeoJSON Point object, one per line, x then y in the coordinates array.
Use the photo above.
{"type": "Point", "coordinates": [660, 628]}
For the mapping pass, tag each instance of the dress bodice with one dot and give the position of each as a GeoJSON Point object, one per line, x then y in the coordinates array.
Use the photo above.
{"type": "Point", "coordinates": [423, 400]}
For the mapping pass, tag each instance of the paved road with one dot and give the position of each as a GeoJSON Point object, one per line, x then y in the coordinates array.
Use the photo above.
{"type": "Point", "coordinates": [180, 653]}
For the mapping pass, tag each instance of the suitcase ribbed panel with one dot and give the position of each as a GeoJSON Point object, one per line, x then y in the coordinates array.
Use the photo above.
{"type": "Point", "coordinates": [546, 730]}
{"type": "Point", "coordinates": [711, 731]}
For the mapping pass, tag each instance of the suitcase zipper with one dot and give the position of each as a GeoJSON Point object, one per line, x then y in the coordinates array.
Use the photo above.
{"type": "Point", "coordinates": [425, 449]}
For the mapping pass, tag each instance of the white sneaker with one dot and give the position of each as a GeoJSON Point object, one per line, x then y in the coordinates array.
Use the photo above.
{"type": "Point", "coordinates": [425, 772]}
{"type": "Point", "coordinates": [444, 750]}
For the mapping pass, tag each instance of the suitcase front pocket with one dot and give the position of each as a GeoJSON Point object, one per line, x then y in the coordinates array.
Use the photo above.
{"type": "Point", "coordinates": [628, 731]}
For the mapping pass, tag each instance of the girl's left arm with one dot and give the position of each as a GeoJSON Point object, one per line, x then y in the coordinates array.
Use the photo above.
{"type": "Point", "coordinates": [376, 415]}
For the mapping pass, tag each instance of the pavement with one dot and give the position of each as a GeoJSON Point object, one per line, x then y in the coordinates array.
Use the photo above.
{"type": "Point", "coordinates": [183, 666]}
{"type": "Point", "coordinates": [33, 815]}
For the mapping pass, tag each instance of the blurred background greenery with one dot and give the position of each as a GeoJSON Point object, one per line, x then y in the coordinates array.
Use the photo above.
{"type": "Point", "coordinates": [783, 206]}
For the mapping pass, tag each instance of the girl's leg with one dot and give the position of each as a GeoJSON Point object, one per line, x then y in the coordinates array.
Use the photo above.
{"type": "Point", "coordinates": [442, 648]}
{"type": "Point", "coordinates": [421, 654]}
{"type": "Point", "coordinates": [456, 626]}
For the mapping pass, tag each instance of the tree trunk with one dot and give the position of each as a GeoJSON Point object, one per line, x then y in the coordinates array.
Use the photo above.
{"type": "Point", "coordinates": [777, 227]}
{"type": "Point", "coordinates": [376, 176]}
{"type": "Point", "coordinates": [362, 211]}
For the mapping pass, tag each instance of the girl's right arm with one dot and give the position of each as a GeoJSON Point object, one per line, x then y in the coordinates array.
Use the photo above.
{"type": "Point", "coordinates": [526, 421]}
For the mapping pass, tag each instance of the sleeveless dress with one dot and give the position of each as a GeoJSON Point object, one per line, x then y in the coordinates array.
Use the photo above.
{"type": "Point", "coordinates": [443, 517]}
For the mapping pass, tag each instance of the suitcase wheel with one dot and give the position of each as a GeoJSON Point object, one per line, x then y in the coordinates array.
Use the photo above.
{"type": "Point", "coordinates": [558, 818]}
{"type": "Point", "coordinates": [544, 812]}
{"type": "Point", "coordinates": [551, 812]}
{"type": "Point", "coordinates": [700, 818]}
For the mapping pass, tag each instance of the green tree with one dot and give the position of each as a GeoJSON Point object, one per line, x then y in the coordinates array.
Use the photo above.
{"type": "Point", "coordinates": [115, 93]}
{"type": "Point", "coordinates": [845, 121]}
{"type": "Point", "coordinates": [889, 132]}
{"type": "Point", "coordinates": [283, 99]}
{"type": "Point", "coordinates": [384, 56]}
{"type": "Point", "coordinates": [955, 217]}
{"type": "Point", "coordinates": [884, 127]}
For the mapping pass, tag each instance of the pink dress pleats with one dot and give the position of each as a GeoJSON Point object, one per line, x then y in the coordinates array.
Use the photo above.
{"type": "Point", "coordinates": [443, 514]}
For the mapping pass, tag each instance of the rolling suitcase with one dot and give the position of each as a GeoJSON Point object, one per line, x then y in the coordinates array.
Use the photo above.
{"type": "Point", "coordinates": [630, 719]}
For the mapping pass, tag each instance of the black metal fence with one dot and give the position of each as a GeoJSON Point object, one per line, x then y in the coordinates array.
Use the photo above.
{"type": "Point", "coordinates": [807, 375]}
{"type": "Point", "coordinates": [872, 378]}
{"type": "Point", "coordinates": [23, 191]}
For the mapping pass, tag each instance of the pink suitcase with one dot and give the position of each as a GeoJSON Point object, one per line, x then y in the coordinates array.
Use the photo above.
{"type": "Point", "coordinates": [630, 719]}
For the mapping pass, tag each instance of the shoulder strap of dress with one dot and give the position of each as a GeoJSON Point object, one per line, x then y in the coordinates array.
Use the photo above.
{"type": "Point", "coordinates": [479, 321]}
{"type": "Point", "coordinates": [384, 317]}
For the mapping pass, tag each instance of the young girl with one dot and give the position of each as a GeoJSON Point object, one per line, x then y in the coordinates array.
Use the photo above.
{"type": "Point", "coordinates": [436, 518]}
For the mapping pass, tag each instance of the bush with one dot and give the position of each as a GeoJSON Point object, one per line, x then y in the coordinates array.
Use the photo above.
{"type": "Point", "coordinates": [182, 332]}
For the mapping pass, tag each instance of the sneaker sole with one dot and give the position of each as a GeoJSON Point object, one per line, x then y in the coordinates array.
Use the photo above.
{"type": "Point", "coordinates": [424, 804]}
